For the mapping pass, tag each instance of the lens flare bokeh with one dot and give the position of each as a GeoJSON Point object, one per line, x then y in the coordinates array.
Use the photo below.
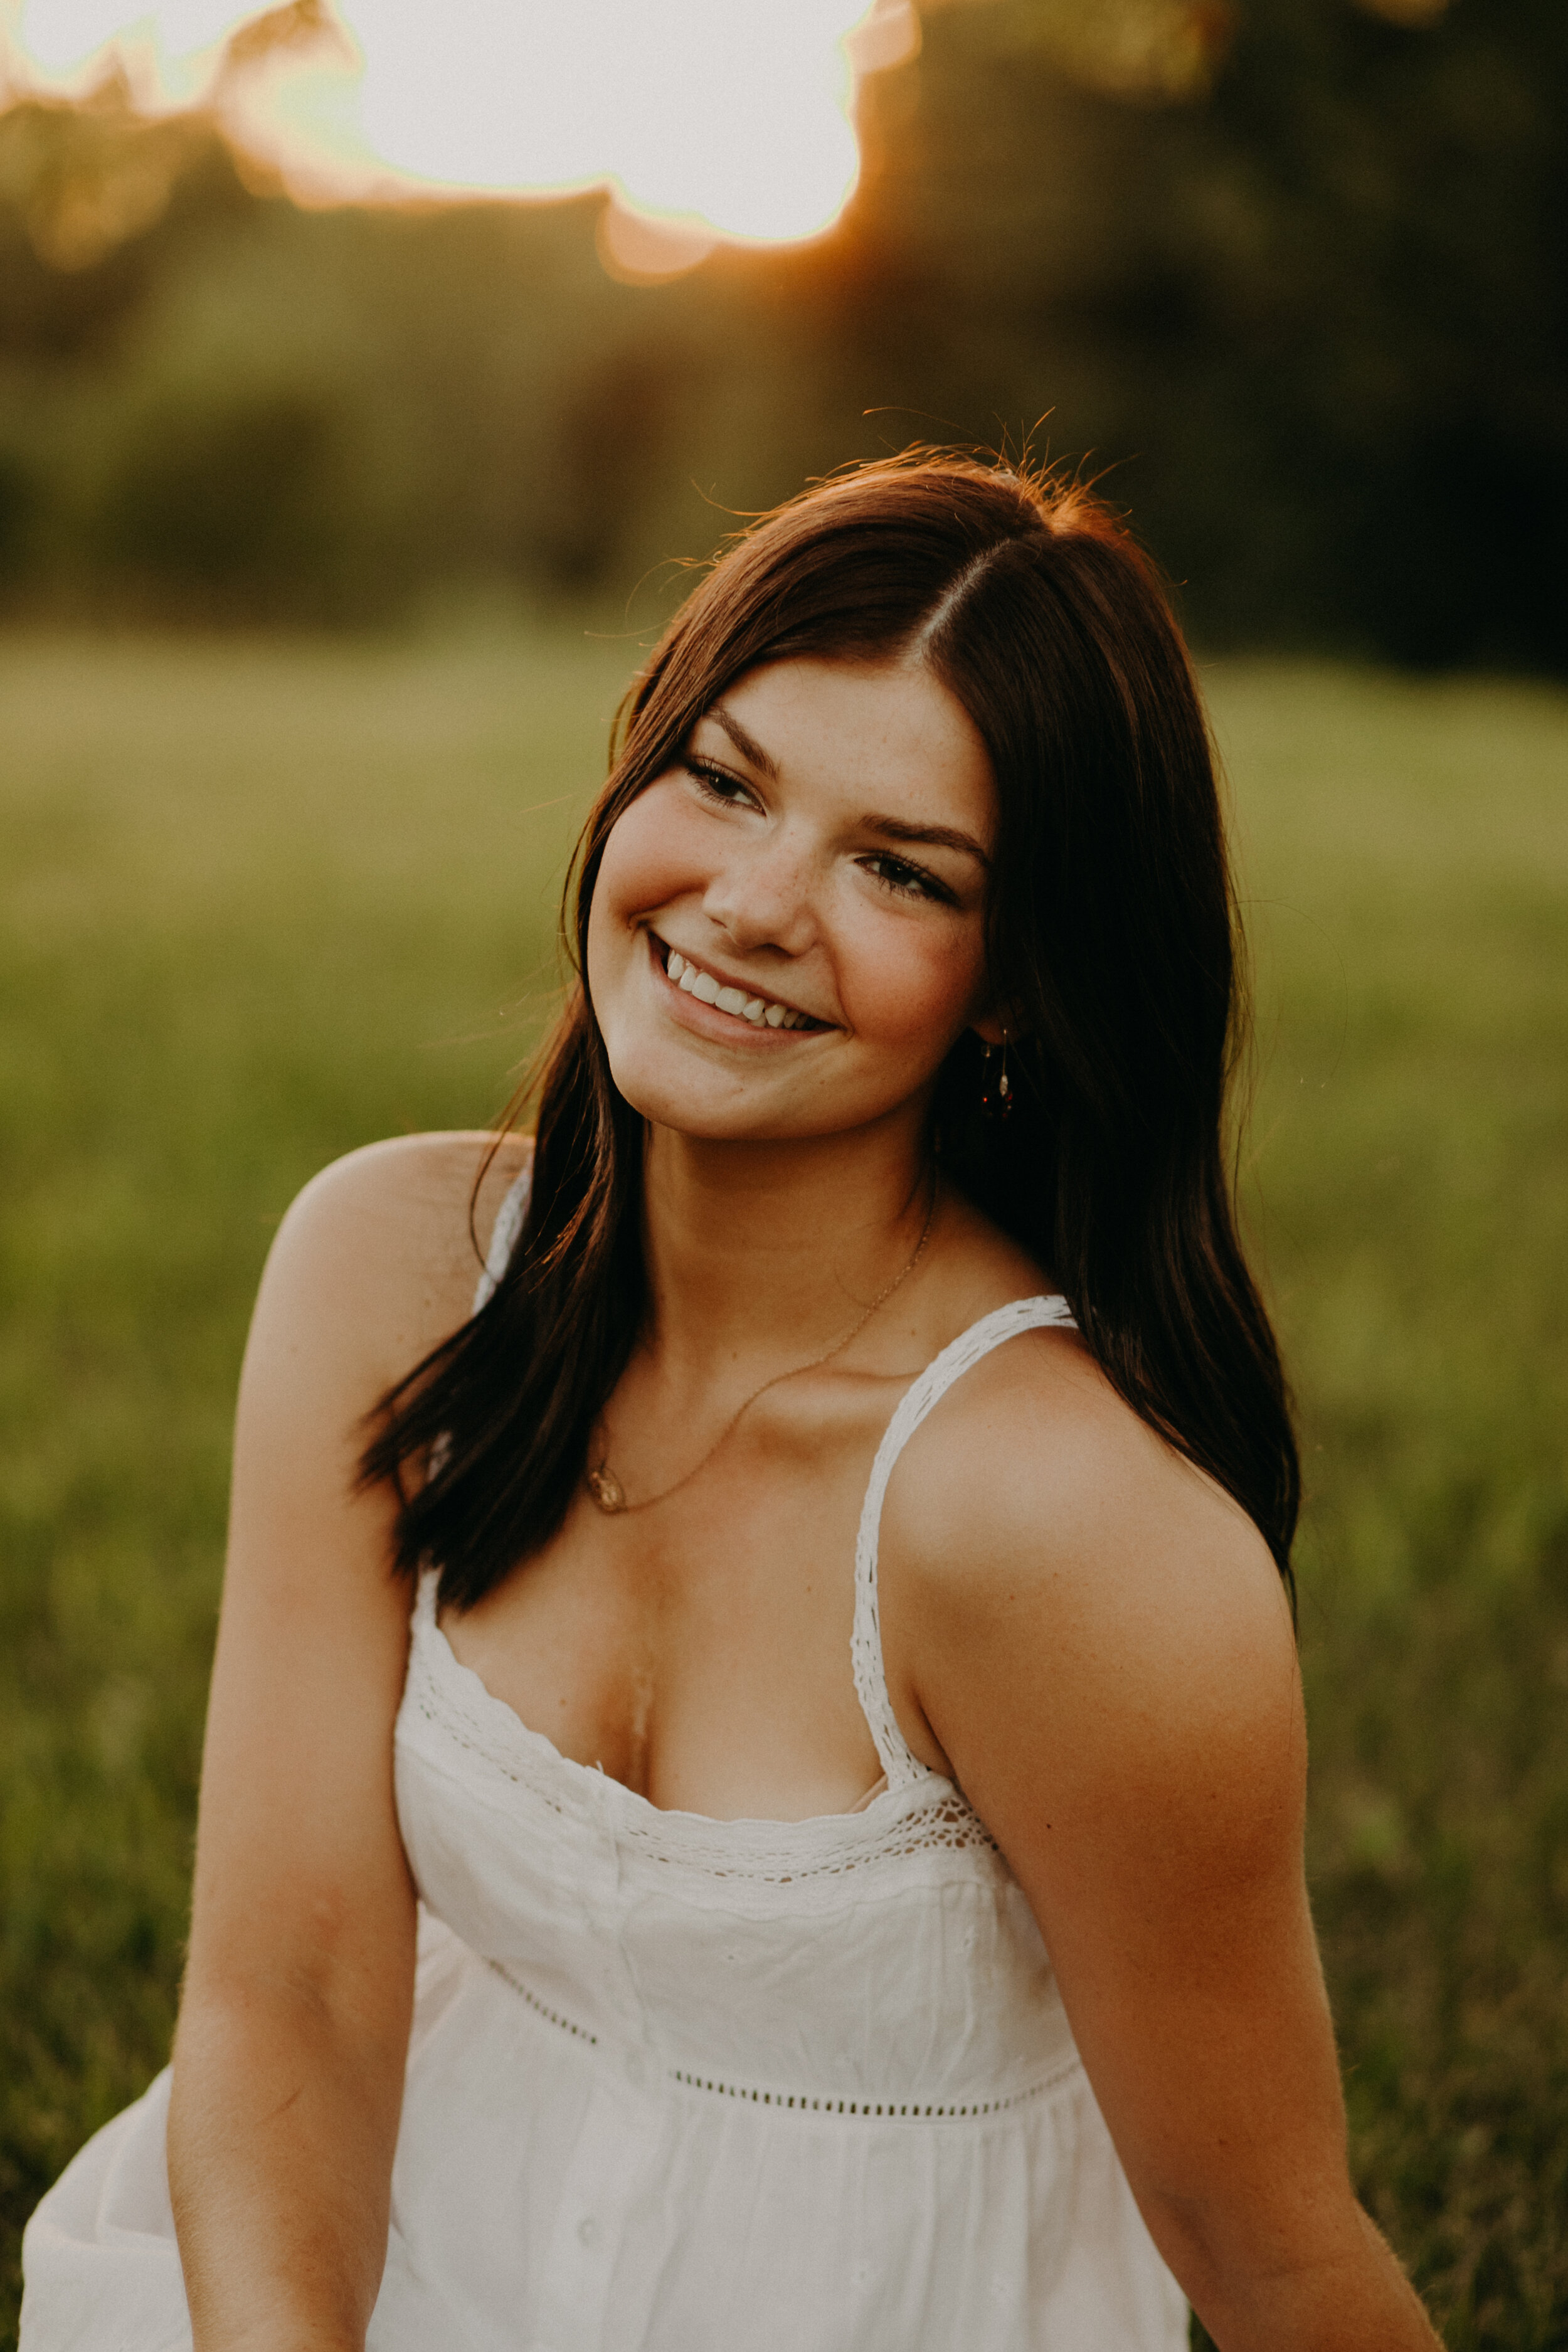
{"type": "Point", "coordinates": [707, 119]}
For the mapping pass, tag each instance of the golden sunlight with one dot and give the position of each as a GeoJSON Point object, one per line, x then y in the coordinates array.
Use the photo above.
{"type": "Point", "coordinates": [705, 118]}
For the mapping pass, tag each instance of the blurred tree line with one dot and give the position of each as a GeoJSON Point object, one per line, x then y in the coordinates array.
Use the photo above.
{"type": "Point", "coordinates": [1295, 271]}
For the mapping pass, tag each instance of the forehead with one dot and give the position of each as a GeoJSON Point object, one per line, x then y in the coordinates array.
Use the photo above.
{"type": "Point", "coordinates": [889, 737]}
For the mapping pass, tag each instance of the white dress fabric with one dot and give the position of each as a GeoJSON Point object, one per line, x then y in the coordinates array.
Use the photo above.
{"type": "Point", "coordinates": [679, 2084]}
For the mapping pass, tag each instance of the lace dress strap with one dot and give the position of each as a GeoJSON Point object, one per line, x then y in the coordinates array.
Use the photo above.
{"type": "Point", "coordinates": [900, 1765]}
{"type": "Point", "coordinates": [503, 1238]}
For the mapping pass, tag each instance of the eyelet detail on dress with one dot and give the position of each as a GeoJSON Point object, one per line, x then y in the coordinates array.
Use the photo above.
{"type": "Point", "coordinates": [881, 2110]}
{"type": "Point", "coordinates": [550, 2016]}
{"type": "Point", "coordinates": [813, 2103]}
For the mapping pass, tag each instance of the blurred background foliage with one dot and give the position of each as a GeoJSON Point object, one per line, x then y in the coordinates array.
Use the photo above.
{"type": "Point", "coordinates": [1297, 270]}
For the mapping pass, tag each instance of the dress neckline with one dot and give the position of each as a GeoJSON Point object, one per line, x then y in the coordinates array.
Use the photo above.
{"type": "Point", "coordinates": [592, 1780]}
{"type": "Point", "coordinates": [901, 1769]}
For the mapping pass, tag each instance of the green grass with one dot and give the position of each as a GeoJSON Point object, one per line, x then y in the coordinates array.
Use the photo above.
{"type": "Point", "coordinates": [1406, 850]}
{"type": "Point", "coordinates": [263, 902]}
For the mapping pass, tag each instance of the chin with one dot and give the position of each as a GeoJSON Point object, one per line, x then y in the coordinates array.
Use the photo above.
{"type": "Point", "coordinates": [698, 1112]}
{"type": "Point", "coordinates": [705, 1102]}
{"type": "Point", "coordinates": [724, 1112]}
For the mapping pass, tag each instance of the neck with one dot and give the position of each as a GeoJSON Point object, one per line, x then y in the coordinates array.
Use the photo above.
{"type": "Point", "coordinates": [759, 1251]}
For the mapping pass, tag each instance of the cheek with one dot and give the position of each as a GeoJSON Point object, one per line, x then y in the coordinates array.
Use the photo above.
{"type": "Point", "coordinates": [650, 858]}
{"type": "Point", "coordinates": [912, 988]}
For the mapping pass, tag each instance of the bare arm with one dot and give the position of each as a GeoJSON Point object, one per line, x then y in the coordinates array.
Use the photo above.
{"type": "Point", "coordinates": [1097, 1644]}
{"type": "Point", "coordinates": [294, 2023]}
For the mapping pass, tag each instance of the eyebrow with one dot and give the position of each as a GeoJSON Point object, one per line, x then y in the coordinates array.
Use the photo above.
{"type": "Point", "coordinates": [745, 743]}
{"type": "Point", "coordinates": [889, 828]}
{"type": "Point", "coordinates": [927, 837]}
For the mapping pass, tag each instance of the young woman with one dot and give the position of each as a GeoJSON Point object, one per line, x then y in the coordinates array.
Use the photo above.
{"type": "Point", "coordinates": [823, 1874]}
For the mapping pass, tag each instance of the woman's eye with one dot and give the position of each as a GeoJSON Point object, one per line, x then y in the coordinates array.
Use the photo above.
{"type": "Point", "coordinates": [717, 783]}
{"type": "Point", "coordinates": [908, 881]}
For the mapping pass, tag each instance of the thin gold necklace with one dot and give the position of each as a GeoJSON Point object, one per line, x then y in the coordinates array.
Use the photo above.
{"type": "Point", "coordinates": [606, 1489]}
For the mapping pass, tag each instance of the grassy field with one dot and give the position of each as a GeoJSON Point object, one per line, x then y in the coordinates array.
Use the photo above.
{"type": "Point", "coordinates": [264, 902]}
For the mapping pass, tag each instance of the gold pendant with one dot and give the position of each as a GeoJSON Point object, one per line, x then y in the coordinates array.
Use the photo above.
{"type": "Point", "coordinates": [606, 1490]}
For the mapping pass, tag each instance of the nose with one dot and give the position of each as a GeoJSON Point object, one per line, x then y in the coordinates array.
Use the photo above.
{"type": "Point", "coordinates": [764, 895]}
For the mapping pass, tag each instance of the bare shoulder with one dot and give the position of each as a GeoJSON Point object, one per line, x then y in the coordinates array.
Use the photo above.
{"type": "Point", "coordinates": [301, 1876]}
{"type": "Point", "coordinates": [373, 1267]}
{"type": "Point", "coordinates": [384, 1246]}
{"type": "Point", "coordinates": [1071, 1600]}
{"type": "Point", "coordinates": [1032, 1469]}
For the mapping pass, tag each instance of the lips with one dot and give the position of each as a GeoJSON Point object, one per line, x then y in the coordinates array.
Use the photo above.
{"type": "Point", "coordinates": [755, 1011]}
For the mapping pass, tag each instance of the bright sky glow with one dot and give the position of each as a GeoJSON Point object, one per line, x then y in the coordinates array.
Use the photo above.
{"type": "Point", "coordinates": [714, 118]}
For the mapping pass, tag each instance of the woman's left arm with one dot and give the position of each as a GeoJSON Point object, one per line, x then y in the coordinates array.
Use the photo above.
{"type": "Point", "coordinates": [1098, 1642]}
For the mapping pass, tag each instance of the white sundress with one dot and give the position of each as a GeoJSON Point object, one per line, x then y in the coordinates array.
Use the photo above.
{"type": "Point", "coordinates": [680, 2084]}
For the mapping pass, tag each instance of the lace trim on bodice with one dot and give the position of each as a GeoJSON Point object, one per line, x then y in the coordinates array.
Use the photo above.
{"type": "Point", "coordinates": [896, 1824]}
{"type": "Point", "coordinates": [900, 1765]}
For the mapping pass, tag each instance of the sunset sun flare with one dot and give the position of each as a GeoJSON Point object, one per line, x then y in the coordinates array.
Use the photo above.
{"type": "Point", "coordinates": [714, 118]}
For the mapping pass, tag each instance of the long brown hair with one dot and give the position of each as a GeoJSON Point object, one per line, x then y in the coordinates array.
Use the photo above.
{"type": "Point", "coordinates": [1112, 936]}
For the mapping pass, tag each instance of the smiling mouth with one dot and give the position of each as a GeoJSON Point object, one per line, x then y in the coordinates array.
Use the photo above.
{"type": "Point", "coordinates": [755, 1011]}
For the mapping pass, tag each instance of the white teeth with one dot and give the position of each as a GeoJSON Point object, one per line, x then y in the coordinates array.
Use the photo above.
{"type": "Point", "coordinates": [692, 981]}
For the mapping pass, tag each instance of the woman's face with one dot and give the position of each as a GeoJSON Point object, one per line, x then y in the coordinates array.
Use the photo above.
{"type": "Point", "coordinates": [813, 870]}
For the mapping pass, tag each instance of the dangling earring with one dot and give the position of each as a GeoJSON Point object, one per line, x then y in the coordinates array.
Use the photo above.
{"type": "Point", "coordinates": [996, 1086]}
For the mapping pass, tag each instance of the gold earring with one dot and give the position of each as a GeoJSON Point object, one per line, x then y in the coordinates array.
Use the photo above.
{"type": "Point", "coordinates": [996, 1086]}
